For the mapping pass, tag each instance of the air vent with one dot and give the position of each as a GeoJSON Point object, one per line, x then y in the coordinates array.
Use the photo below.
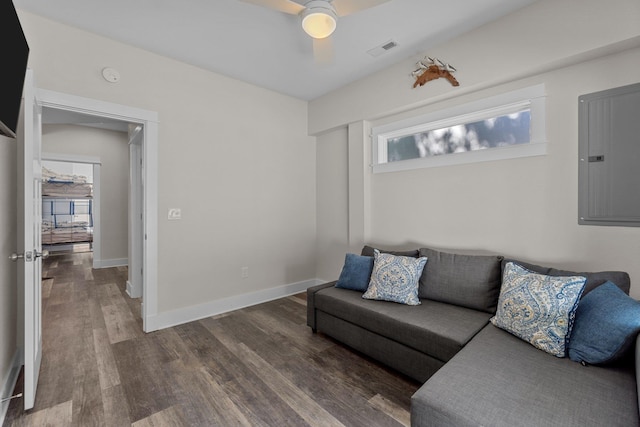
{"type": "Point", "coordinates": [383, 48]}
{"type": "Point", "coordinates": [390, 45]}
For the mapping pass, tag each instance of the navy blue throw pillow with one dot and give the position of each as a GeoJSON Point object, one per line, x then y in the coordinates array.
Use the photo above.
{"type": "Point", "coordinates": [606, 325]}
{"type": "Point", "coordinates": [356, 272]}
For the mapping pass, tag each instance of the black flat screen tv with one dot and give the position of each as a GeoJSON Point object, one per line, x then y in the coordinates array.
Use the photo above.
{"type": "Point", "coordinates": [13, 67]}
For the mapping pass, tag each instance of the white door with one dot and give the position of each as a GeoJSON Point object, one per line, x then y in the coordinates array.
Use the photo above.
{"type": "Point", "coordinates": [29, 236]}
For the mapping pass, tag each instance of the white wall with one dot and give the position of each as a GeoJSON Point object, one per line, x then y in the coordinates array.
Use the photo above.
{"type": "Point", "coordinates": [112, 149]}
{"type": "Point", "coordinates": [525, 208]}
{"type": "Point", "coordinates": [332, 202]}
{"type": "Point", "coordinates": [234, 157]}
{"type": "Point", "coordinates": [8, 272]}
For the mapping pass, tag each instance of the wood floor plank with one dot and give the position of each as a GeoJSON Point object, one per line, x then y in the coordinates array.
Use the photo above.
{"type": "Point", "coordinates": [107, 369]}
{"type": "Point", "coordinates": [115, 407]}
{"type": "Point", "coordinates": [170, 417]}
{"type": "Point", "coordinates": [55, 416]}
{"type": "Point", "coordinates": [108, 293]}
{"type": "Point", "coordinates": [369, 374]}
{"type": "Point", "coordinates": [61, 292]}
{"type": "Point", "coordinates": [299, 333]}
{"type": "Point", "coordinates": [46, 288]}
{"type": "Point", "coordinates": [203, 399]}
{"type": "Point", "coordinates": [264, 408]}
{"type": "Point", "coordinates": [303, 404]}
{"type": "Point", "coordinates": [60, 346]}
{"type": "Point", "coordinates": [121, 326]}
{"type": "Point", "coordinates": [143, 378]}
{"type": "Point", "coordinates": [400, 414]}
{"type": "Point", "coordinates": [87, 393]}
{"type": "Point", "coordinates": [299, 299]}
{"type": "Point", "coordinates": [95, 311]}
{"type": "Point", "coordinates": [51, 264]}
{"type": "Point", "coordinates": [174, 348]}
{"type": "Point", "coordinates": [247, 390]}
{"type": "Point", "coordinates": [211, 354]}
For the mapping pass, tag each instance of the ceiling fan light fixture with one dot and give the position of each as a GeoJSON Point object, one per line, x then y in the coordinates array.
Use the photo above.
{"type": "Point", "coordinates": [319, 19]}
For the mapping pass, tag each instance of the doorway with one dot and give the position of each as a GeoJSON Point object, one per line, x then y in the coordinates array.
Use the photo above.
{"type": "Point", "coordinates": [143, 185]}
{"type": "Point", "coordinates": [69, 199]}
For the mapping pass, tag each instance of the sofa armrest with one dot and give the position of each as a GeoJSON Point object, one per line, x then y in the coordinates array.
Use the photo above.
{"type": "Point", "coordinates": [311, 304]}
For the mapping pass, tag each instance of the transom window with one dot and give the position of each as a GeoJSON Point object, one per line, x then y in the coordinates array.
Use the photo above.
{"type": "Point", "coordinates": [506, 126]}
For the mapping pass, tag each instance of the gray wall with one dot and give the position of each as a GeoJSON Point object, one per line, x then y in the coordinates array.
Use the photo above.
{"type": "Point", "coordinates": [8, 244]}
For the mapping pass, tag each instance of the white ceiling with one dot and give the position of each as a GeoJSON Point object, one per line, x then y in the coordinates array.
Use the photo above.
{"type": "Point", "coordinates": [269, 48]}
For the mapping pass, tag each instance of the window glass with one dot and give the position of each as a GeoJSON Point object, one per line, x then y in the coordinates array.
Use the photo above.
{"type": "Point", "coordinates": [508, 129]}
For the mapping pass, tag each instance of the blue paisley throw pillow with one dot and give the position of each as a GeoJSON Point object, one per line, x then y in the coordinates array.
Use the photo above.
{"type": "Point", "coordinates": [537, 308]}
{"type": "Point", "coordinates": [395, 278]}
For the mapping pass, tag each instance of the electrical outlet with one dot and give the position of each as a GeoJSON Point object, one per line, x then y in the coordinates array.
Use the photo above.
{"type": "Point", "coordinates": [174, 214]}
{"type": "Point", "coordinates": [244, 272]}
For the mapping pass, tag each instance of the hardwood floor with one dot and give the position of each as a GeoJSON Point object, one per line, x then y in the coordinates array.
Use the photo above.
{"type": "Point", "coordinates": [259, 366]}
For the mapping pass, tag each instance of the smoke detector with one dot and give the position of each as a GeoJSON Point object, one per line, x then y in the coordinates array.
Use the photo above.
{"type": "Point", "coordinates": [111, 75]}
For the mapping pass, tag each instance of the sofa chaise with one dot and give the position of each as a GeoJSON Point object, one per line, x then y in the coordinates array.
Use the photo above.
{"type": "Point", "coordinates": [475, 373]}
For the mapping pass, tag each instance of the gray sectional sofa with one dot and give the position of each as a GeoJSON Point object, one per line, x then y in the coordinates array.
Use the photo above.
{"type": "Point", "coordinates": [474, 373]}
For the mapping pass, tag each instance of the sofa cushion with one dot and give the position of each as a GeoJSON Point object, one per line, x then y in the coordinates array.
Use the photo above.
{"type": "Point", "coordinates": [471, 281]}
{"type": "Point", "coordinates": [395, 278]}
{"type": "Point", "coordinates": [538, 308]}
{"type": "Point", "coordinates": [369, 250]}
{"type": "Point", "coordinates": [594, 279]}
{"type": "Point", "coordinates": [498, 380]}
{"type": "Point", "coordinates": [434, 328]}
{"type": "Point", "coordinates": [356, 272]}
{"type": "Point", "coordinates": [606, 326]}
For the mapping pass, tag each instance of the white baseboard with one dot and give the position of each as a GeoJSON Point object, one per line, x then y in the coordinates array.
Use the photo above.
{"type": "Point", "coordinates": [9, 383]}
{"type": "Point", "coordinates": [224, 305]}
{"type": "Point", "coordinates": [132, 291]}
{"type": "Point", "coordinates": [106, 263]}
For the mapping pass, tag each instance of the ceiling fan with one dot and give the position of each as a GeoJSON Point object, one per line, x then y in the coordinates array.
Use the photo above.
{"type": "Point", "coordinates": [319, 18]}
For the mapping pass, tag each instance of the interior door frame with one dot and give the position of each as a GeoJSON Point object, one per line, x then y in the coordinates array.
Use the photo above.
{"type": "Point", "coordinates": [134, 284]}
{"type": "Point", "coordinates": [149, 233]}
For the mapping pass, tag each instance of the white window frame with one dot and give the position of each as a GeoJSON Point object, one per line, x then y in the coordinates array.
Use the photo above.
{"type": "Point", "coordinates": [532, 98]}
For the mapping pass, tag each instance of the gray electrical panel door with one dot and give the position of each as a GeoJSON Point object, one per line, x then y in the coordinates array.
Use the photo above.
{"type": "Point", "coordinates": [609, 153]}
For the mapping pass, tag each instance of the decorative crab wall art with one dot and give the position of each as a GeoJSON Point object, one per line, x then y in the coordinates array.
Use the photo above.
{"type": "Point", "coordinates": [431, 69]}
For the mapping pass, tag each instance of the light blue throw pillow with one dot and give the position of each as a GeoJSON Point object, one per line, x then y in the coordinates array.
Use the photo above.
{"type": "Point", "coordinates": [356, 272]}
{"type": "Point", "coordinates": [395, 278]}
{"type": "Point", "coordinates": [537, 308]}
{"type": "Point", "coordinates": [607, 323]}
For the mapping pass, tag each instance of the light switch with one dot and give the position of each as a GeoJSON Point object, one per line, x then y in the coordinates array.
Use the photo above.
{"type": "Point", "coordinates": [175, 213]}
